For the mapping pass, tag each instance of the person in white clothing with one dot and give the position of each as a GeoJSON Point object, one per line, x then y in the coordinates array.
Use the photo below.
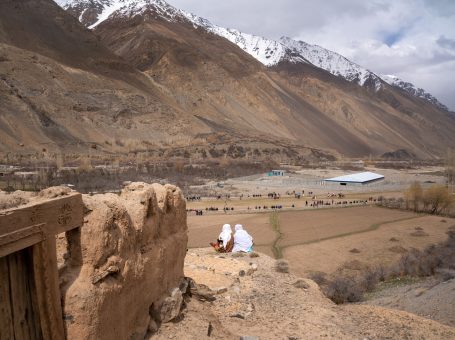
{"type": "Point", "coordinates": [225, 241]}
{"type": "Point", "coordinates": [242, 240]}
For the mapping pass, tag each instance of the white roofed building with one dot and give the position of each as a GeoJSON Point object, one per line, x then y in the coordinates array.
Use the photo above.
{"type": "Point", "coordinates": [361, 178]}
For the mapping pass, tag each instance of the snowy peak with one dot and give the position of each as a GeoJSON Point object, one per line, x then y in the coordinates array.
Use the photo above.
{"type": "Point", "coordinates": [267, 51]}
{"type": "Point", "coordinates": [93, 12]}
{"type": "Point", "coordinates": [331, 62]}
{"type": "Point", "coordinates": [413, 90]}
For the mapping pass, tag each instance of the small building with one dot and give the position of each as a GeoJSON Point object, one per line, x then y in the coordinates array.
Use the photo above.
{"type": "Point", "coordinates": [361, 178]}
{"type": "Point", "coordinates": [274, 173]}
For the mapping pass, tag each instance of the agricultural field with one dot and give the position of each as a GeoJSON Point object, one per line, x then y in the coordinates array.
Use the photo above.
{"type": "Point", "coordinates": [324, 240]}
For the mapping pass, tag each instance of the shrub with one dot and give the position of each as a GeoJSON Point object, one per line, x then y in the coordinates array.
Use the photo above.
{"type": "Point", "coordinates": [419, 233]}
{"type": "Point", "coordinates": [282, 266]}
{"type": "Point", "coordinates": [370, 279]}
{"type": "Point", "coordinates": [414, 196]}
{"type": "Point", "coordinates": [436, 199]}
{"type": "Point", "coordinates": [319, 277]}
{"type": "Point", "coordinates": [342, 290]}
{"type": "Point", "coordinates": [300, 283]}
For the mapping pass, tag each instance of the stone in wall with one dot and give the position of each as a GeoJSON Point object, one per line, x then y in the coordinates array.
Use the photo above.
{"type": "Point", "coordinates": [122, 267]}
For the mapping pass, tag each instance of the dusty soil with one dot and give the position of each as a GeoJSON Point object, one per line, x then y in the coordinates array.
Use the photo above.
{"type": "Point", "coordinates": [311, 226]}
{"type": "Point", "coordinates": [267, 304]}
{"type": "Point", "coordinates": [321, 240]}
{"type": "Point", "coordinates": [375, 246]}
{"type": "Point", "coordinates": [396, 181]}
{"type": "Point", "coordinates": [429, 297]}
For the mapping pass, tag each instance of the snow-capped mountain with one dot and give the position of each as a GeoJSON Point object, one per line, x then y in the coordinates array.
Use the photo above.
{"type": "Point", "coordinates": [412, 89]}
{"type": "Point", "coordinates": [267, 51]}
{"type": "Point", "coordinates": [332, 62]}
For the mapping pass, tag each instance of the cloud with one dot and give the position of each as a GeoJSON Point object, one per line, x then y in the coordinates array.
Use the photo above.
{"type": "Point", "coordinates": [446, 42]}
{"type": "Point", "coordinates": [414, 39]}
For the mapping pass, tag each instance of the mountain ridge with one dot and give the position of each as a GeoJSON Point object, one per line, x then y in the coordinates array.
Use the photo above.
{"type": "Point", "coordinates": [148, 87]}
{"type": "Point", "coordinates": [267, 51]}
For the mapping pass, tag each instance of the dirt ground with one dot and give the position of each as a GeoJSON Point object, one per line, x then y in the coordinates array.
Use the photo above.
{"type": "Point", "coordinates": [322, 240]}
{"type": "Point", "coordinates": [302, 227]}
{"type": "Point", "coordinates": [427, 297]}
{"type": "Point", "coordinates": [395, 182]}
{"type": "Point", "coordinates": [374, 247]}
{"type": "Point", "coordinates": [270, 305]}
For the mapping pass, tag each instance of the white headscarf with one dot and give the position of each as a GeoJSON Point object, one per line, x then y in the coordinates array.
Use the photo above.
{"type": "Point", "coordinates": [242, 240]}
{"type": "Point", "coordinates": [225, 234]}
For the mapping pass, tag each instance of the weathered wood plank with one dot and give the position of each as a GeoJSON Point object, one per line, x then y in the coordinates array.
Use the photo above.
{"type": "Point", "coordinates": [6, 314]}
{"type": "Point", "coordinates": [47, 288]}
{"type": "Point", "coordinates": [60, 215]}
{"type": "Point", "coordinates": [25, 317]}
{"type": "Point", "coordinates": [21, 239]}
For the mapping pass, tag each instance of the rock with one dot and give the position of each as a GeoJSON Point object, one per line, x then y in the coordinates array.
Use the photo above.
{"type": "Point", "coordinates": [54, 192]}
{"type": "Point", "coordinates": [183, 286]}
{"type": "Point", "coordinates": [170, 307]}
{"type": "Point", "coordinates": [221, 290]}
{"type": "Point", "coordinates": [202, 292]}
{"type": "Point", "coordinates": [247, 337]}
{"type": "Point", "coordinates": [252, 269]}
{"type": "Point", "coordinates": [105, 273]}
{"type": "Point", "coordinates": [242, 273]}
{"type": "Point", "coordinates": [419, 292]}
{"type": "Point", "coordinates": [153, 326]}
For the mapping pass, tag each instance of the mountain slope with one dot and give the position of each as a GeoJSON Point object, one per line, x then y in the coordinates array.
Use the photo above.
{"type": "Point", "coordinates": [266, 51]}
{"type": "Point", "coordinates": [413, 90]}
{"type": "Point", "coordinates": [293, 99]}
{"type": "Point", "coordinates": [175, 89]}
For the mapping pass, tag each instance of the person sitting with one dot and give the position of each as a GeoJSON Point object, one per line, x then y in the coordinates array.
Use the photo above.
{"type": "Point", "coordinates": [225, 242]}
{"type": "Point", "coordinates": [243, 242]}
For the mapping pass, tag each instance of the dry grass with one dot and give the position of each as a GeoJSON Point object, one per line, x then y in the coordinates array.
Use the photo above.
{"type": "Point", "coordinates": [419, 233]}
{"type": "Point", "coordinates": [398, 249]}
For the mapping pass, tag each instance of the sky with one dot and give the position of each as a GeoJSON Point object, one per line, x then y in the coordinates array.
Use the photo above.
{"type": "Point", "coordinates": [412, 39]}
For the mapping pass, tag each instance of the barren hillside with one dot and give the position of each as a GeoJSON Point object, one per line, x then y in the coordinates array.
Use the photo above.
{"type": "Point", "coordinates": [165, 88]}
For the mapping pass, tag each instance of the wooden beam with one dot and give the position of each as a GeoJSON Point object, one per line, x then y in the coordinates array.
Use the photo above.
{"type": "Point", "coordinates": [59, 214]}
{"type": "Point", "coordinates": [47, 288]}
{"type": "Point", "coordinates": [6, 312]}
{"type": "Point", "coordinates": [21, 239]}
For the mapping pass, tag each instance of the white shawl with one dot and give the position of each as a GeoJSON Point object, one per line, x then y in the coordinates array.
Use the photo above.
{"type": "Point", "coordinates": [225, 234]}
{"type": "Point", "coordinates": [242, 240]}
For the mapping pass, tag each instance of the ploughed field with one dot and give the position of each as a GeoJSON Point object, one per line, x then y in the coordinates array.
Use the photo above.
{"type": "Point", "coordinates": [326, 239]}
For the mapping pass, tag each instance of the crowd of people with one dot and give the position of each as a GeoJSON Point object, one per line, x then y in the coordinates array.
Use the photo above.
{"type": "Point", "coordinates": [311, 201]}
{"type": "Point", "coordinates": [229, 242]}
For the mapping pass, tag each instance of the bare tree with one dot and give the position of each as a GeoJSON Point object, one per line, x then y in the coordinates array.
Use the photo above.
{"type": "Point", "coordinates": [450, 170]}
